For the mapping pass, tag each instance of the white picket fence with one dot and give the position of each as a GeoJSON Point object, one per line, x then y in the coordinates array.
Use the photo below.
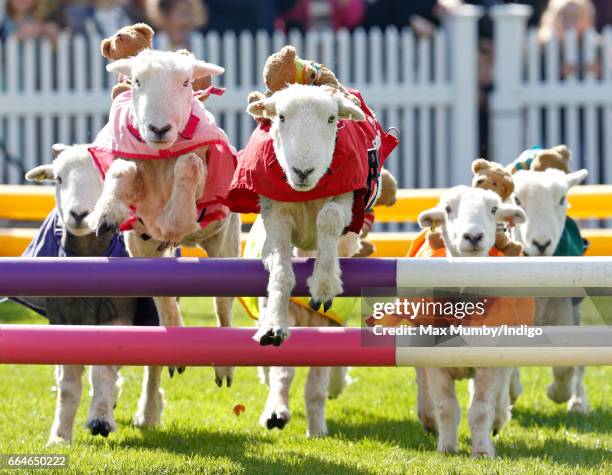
{"type": "Point", "coordinates": [535, 103]}
{"type": "Point", "coordinates": [427, 88]}
{"type": "Point", "coordinates": [424, 87]}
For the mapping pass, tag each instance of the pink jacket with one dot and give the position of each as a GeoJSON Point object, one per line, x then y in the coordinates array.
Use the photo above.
{"type": "Point", "coordinates": [120, 138]}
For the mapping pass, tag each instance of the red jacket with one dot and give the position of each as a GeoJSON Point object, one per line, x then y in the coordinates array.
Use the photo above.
{"type": "Point", "coordinates": [361, 149]}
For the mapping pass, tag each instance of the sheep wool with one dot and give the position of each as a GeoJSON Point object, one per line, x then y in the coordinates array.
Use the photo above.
{"type": "Point", "coordinates": [361, 149]}
{"type": "Point", "coordinates": [253, 249]}
{"type": "Point", "coordinates": [120, 139]}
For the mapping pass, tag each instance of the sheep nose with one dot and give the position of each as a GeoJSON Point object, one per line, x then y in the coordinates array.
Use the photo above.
{"type": "Point", "coordinates": [78, 217]}
{"type": "Point", "coordinates": [541, 247]}
{"type": "Point", "coordinates": [473, 238]}
{"type": "Point", "coordinates": [160, 131]}
{"type": "Point", "coordinates": [302, 174]}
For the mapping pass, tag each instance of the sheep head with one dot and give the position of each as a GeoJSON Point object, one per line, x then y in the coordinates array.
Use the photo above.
{"type": "Point", "coordinates": [543, 198]}
{"type": "Point", "coordinates": [304, 126]}
{"type": "Point", "coordinates": [162, 91]}
{"type": "Point", "coordinates": [78, 185]}
{"type": "Point", "coordinates": [468, 218]}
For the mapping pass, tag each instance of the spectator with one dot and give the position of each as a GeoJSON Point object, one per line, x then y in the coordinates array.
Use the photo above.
{"type": "Point", "coordinates": [323, 14]}
{"type": "Point", "coordinates": [563, 15]}
{"type": "Point", "coordinates": [603, 13]}
{"type": "Point", "coordinates": [99, 17]}
{"type": "Point", "coordinates": [250, 15]}
{"type": "Point", "coordinates": [30, 19]}
{"type": "Point", "coordinates": [423, 16]}
{"type": "Point", "coordinates": [177, 19]}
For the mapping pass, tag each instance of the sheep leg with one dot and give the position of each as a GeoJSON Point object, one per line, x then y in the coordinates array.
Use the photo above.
{"type": "Point", "coordinates": [338, 380]}
{"type": "Point", "coordinates": [489, 384]}
{"type": "Point", "coordinates": [325, 282]}
{"type": "Point", "coordinates": [578, 402]}
{"type": "Point", "coordinates": [226, 243]}
{"type": "Point", "coordinates": [446, 408]}
{"type": "Point", "coordinates": [118, 192]}
{"type": "Point", "coordinates": [101, 419]}
{"type": "Point", "coordinates": [276, 413]}
{"type": "Point", "coordinates": [69, 388]}
{"type": "Point", "coordinates": [151, 401]}
{"type": "Point", "coordinates": [315, 395]}
{"type": "Point", "coordinates": [516, 388]}
{"type": "Point", "coordinates": [167, 307]}
{"type": "Point", "coordinates": [425, 408]}
{"type": "Point", "coordinates": [179, 216]}
{"type": "Point", "coordinates": [503, 404]}
{"type": "Point", "coordinates": [273, 325]}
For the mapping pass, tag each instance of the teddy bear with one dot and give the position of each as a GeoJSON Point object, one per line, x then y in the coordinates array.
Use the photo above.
{"type": "Point", "coordinates": [131, 40]}
{"type": "Point", "coordinates": [539, 160]}
{"type": "Point", "coordinates": [493, 176]}
{"type": "Point", "coordinates": [387, 197]}
{"type": "Point", "coordinates": [286, 67]}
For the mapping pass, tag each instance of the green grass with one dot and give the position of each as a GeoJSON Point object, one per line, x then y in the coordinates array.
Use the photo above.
{"type": "Point", "coordinates": [373, 425]}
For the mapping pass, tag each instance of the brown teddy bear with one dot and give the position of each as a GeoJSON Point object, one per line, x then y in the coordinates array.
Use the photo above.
{"type": "Point", "coordinates": [387, 197]}
{"type": "Point", "coordinates": [539, 160]}
{"type": "Point", "coordinates": [492, 176]}
{"type": "Point", "coordinates": [131, 40]}
{"type": "Point", "coordinates": [285, 67]}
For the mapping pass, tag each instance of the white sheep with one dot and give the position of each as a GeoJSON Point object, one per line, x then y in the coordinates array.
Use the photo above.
{"type": "Point", "coordinates": [304, 126]}
{"type": "Point", "coordinates": [77, 188]}
{"type": "Point", "coordinates": [468, 220]}
{"type": "Point", "coordinates": [322, 382]}
{"type": "Point", "coordinates": [543, 197]}
{"type": "Point", "coordinates": [182, 185]}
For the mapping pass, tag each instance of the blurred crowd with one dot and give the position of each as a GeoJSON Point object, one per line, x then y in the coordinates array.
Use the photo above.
{"type": "Point", "coordinates": [178, 18]}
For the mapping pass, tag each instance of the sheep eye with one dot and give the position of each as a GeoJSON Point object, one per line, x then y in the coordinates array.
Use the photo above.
{"type": "Point", "coordinates": [58, 180]}
{"type": "Point", "coordinates": [331, 119]}
{"type": "Point", "coordinates": [562, 202]}
{"type": "Point", "coordinates": [281, 118]}
{"type": "Point", "coordinates": [448, 210]}
{"type": "Point", "coordinates": [517, 201]}
{"type": "Point", "coordinates": [494, 209]}
{"type": "Point", "coordinates": [186, 83]}
{"type": "Point", "coordinates": [136, 83]}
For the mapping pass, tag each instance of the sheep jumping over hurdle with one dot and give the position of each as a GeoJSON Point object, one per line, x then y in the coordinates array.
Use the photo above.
{"type": "Point", "coordinates": [547, 232]}
{"type": "Point", "coordinates": [167, 169]}
{"type": "Point", "coordinates": [65, 234]}
{"type": "Point", "coordinates": [312, 173]}
{"type": "Point", "coordinates": [468, 220]}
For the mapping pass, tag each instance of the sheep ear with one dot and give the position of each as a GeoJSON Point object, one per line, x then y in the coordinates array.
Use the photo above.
{"type": "Point", "coordinates": [202, 69]}
{"type": "Point", "coordinates": [58, 148]}
{"type": "Point", "coordinates": [576, 178]}
{"type": "Point", "coordinates": [431, 218]}
{"type": "Point", "coordinates": [348, 110]}
{"type": "Point", "coordinates": [41, 174]}
{"type": "Point", "coordinates": [121, 66]}
{"type": "Point", "coordinates": [510, 214]}
{"type": "Point", "coordinates": [265, 108]}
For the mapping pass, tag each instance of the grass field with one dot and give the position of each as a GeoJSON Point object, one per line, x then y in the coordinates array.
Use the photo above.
{"type": "Point", "coordinates": [373, 425]}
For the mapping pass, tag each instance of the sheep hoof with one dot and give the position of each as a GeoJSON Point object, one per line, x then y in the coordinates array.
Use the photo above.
{"type": "Point", "coordinates": [315, 304]}
{"type": "Point", "coordinates": [99, 426]}
{"type": "Point", "coordinates": [218, 381]}
{"type": "Point", "coordinates": [276, 421]}
{"type": "Point", "coordinates": [180, 369]}
{"type": "Point", "coordinates": [273, 337]}
{"type": "Point", "coordinates": [327, 305]}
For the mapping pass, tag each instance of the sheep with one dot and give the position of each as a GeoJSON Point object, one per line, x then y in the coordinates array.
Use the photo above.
{"type": "Point", "coordinates": [77, 188]}
{"type": "Point", "coordinates": [164, 156]}
{"type": "Point", "coordinates": [304, 125]}
{"type": "Point", "coordinates": [468, 220]}
{"type": "Point", "coordinates": [543, 197]}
